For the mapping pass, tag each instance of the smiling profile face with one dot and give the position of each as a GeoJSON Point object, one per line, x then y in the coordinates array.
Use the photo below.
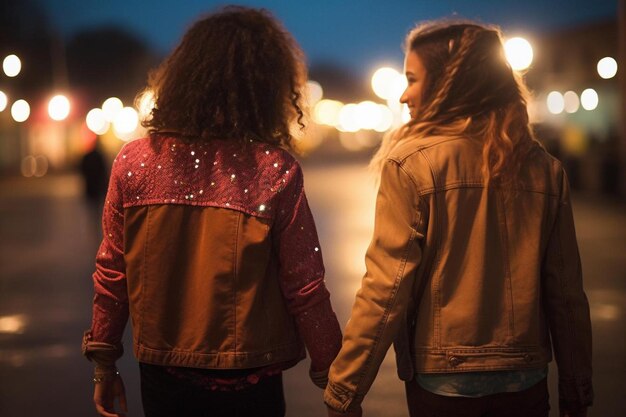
{"type": "Point", "coordinates": [416, 77]}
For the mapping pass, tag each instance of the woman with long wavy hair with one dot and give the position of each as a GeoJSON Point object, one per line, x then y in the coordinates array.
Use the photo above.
{"type": "Point", "coordinates": [473, 271]}
{"type": "Point", "coordinates": [209, 244]}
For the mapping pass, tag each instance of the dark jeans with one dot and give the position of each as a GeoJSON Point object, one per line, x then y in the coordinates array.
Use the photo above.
{"type": "Point", "coordinates": [164, 395]}
{"type": "Point", "coordinates": [532, 402]}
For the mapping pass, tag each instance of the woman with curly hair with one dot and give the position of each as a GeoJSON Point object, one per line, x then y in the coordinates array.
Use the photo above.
{"type": "Point", "coordinates": [473, 271]}
{"type": "Point", "coordinates": [209, 243]}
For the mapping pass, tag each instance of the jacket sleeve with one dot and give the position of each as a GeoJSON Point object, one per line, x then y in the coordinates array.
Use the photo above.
{"type": "Point", "coordinates": [301, 274]}
{"type": "Point", "coordinates": [102, 343]}
{"type": "Point", "coordinates": [567, 308]}
{"type": "Point", "coordinates": [391, 263]}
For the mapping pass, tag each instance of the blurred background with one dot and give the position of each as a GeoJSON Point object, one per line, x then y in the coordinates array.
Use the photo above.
{"type": "Point", "coordinates": [70, 84]}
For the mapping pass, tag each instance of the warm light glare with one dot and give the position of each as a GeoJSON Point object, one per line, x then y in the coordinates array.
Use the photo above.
{"type": "Point", "coordinates": [555, 102]}
{"type": "Point", "coordinates": [349, 118]}
{"type": "Point", "coordinates": [386, 119]}
{"type": "Point", "coordinates": [383, 80]}
{"type": "Point", "coordinates": [368, 115]}
{"type": "Point", "coordinates": [59, 107]}
{"type": "Point", "coordinates": [589, 99]}
{"type": "Point", "coordinates": [4, 101]}
{"type": "Point", "coordinates": [314, 92]}
{"type": "Point", "coordinates": [126, 121]}
{"type": "Point", "coordinates": [97, 122]}
{"type": "Point", "coordinates": [519, 53]}
{"type": "Point", "coordinates": [20, 111]}
{"type": "Point", "coordinates": [111, 107]}
{"type": "Point", "coordinates": [12, 65]}
{"type": "Point", "coordinates": [607, 67]}
{"type": "Point", "coordinates": [12, 324]}
{"type": "Point", "coordinates": [145, 104]}
{"type": "Point", "coordinates": [326, 112]}
{"type": "Point", "coordinates": [572, 103]}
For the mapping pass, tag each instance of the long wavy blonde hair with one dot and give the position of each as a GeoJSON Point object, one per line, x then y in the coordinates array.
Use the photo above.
{"type": "Point", "coordinates": [470, 91]}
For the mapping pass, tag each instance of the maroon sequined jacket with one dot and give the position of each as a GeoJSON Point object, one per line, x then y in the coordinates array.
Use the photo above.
{"type": "Point", "coordinates": [212, 249]}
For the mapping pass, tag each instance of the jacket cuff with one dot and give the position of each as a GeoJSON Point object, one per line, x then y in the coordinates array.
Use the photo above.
{"type": "Point", "coordinates": [103, 354]}
{"type": "Point", "coordinates": [575, 393]}
{"type": "Point", "coordinates": [341, 399]}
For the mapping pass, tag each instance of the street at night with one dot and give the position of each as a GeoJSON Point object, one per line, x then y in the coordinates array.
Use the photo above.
{"type": "Point", "coordinates": [47, 256]}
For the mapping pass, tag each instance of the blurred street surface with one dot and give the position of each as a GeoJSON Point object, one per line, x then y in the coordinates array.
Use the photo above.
{"type": "Point", "coordinates": [49, 239]}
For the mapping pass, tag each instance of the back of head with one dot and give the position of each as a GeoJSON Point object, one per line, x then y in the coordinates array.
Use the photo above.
{"type": "Point", "coordinates": [470, 90]}
{"type": "Point", "coordinates": [237, 74]}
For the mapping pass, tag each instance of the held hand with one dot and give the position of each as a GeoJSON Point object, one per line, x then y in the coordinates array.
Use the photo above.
{"type": "Point", "coordinates": [355, 413]}
{"type": "Point", "coordinates": [582, 412]}
{"type": "Point", "coordinates": [105, 393]}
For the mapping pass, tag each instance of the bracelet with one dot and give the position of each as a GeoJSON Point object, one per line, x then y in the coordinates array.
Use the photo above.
{"type": "Point", "coordinates": [105, 376]}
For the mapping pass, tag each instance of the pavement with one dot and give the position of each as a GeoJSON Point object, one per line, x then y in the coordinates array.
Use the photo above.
{"type": "Point", "coordinates": [50, 237]}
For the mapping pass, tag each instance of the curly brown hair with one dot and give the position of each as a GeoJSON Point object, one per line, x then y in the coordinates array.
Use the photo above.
{"type": "Point", "coordinates": [237, 74]}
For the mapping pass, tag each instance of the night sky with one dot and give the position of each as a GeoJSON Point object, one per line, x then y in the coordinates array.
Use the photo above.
{"type": "Point", "coordinates": [359, 35]}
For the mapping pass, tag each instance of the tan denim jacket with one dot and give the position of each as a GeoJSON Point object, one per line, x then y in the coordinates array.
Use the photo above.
{"type": "Point", "coordinates": [462, 280]}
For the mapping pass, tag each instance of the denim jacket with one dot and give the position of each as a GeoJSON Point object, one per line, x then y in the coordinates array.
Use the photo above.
{"type": "Point", "coordinates": [211, 249]}
{"type": "Point", "coordinates": [463, 279]}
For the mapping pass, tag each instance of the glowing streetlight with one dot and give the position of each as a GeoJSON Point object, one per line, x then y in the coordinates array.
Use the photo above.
{"type": "Point", "coordinates": [97, 122]}
{"type": "Point", "coordinates": [349, 118]}
{"type": "Point", "coordinates": [111, 107]}
{"type": "Point", "coordinates": [589, 99]}
{"type": "Point", "coordinates": [126, 122]}
{"type": "Point", "coordinates": [572, 103]}
{"type": "Point", "coordinates": [607, 67]}
{"type": "Point", "coordinates": [555, 102]}
{"type": "Point", "coordinates": [20, 111]}
{"type": "Point", "coordinates": [4, 101]}
{"type": "Point", "coordinates": [368, 115]}
{"type": "Point", "coordinates": [386, 82]}
{"type": "Point", "coordinates": [59, 107]}
{"type": "Point", "coordinates": [326, 112]}
{"type": "Point", "coordinates": [519, 53]}
{"type": "Point", "coordinates": [314, 92]}
{"type": "Point", "coordinates": [386, 119]}
{"type": "Point", "coordinates": [11, 65]}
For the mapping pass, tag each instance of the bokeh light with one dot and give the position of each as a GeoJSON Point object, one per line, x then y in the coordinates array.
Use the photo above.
{"type": "Point", "coordinates": [59, 107]}
{"type": "Point", "coordinates": [126, 121]}
{"type": "Point", "coordinates": [386, 119]}
{"type": "Point", "coordinates": [607, 67]}
{"type": "Point", "coordinates": [111, 107]}
{"type": "Point", "coordinates": [519, 53]}
{"type": "Point", "coordinates": [349, 118]}
{"type": "Point", "coordinates": [4, 101]}
{"type": "Point", "coordinates": [20, 111]}
{"type": "Point", "coordinates": [314, 92]}
{"type": "Point", "coordinates": [12, 65]}
{"type": "Point", "coordinates": [368, 115]}
{"type": "Point", "coordinates": [384, 82]}
{"type": "Point", "coordinates": [326, 112]}
{"type": "Point", "coordinates": [555, 102]}
{"type": "Point", "coordinates": [589, 99]}
{"type": "Point", "coordinates": [571, 101]}
{"type": "Point", "coordinates": [97, 122]}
